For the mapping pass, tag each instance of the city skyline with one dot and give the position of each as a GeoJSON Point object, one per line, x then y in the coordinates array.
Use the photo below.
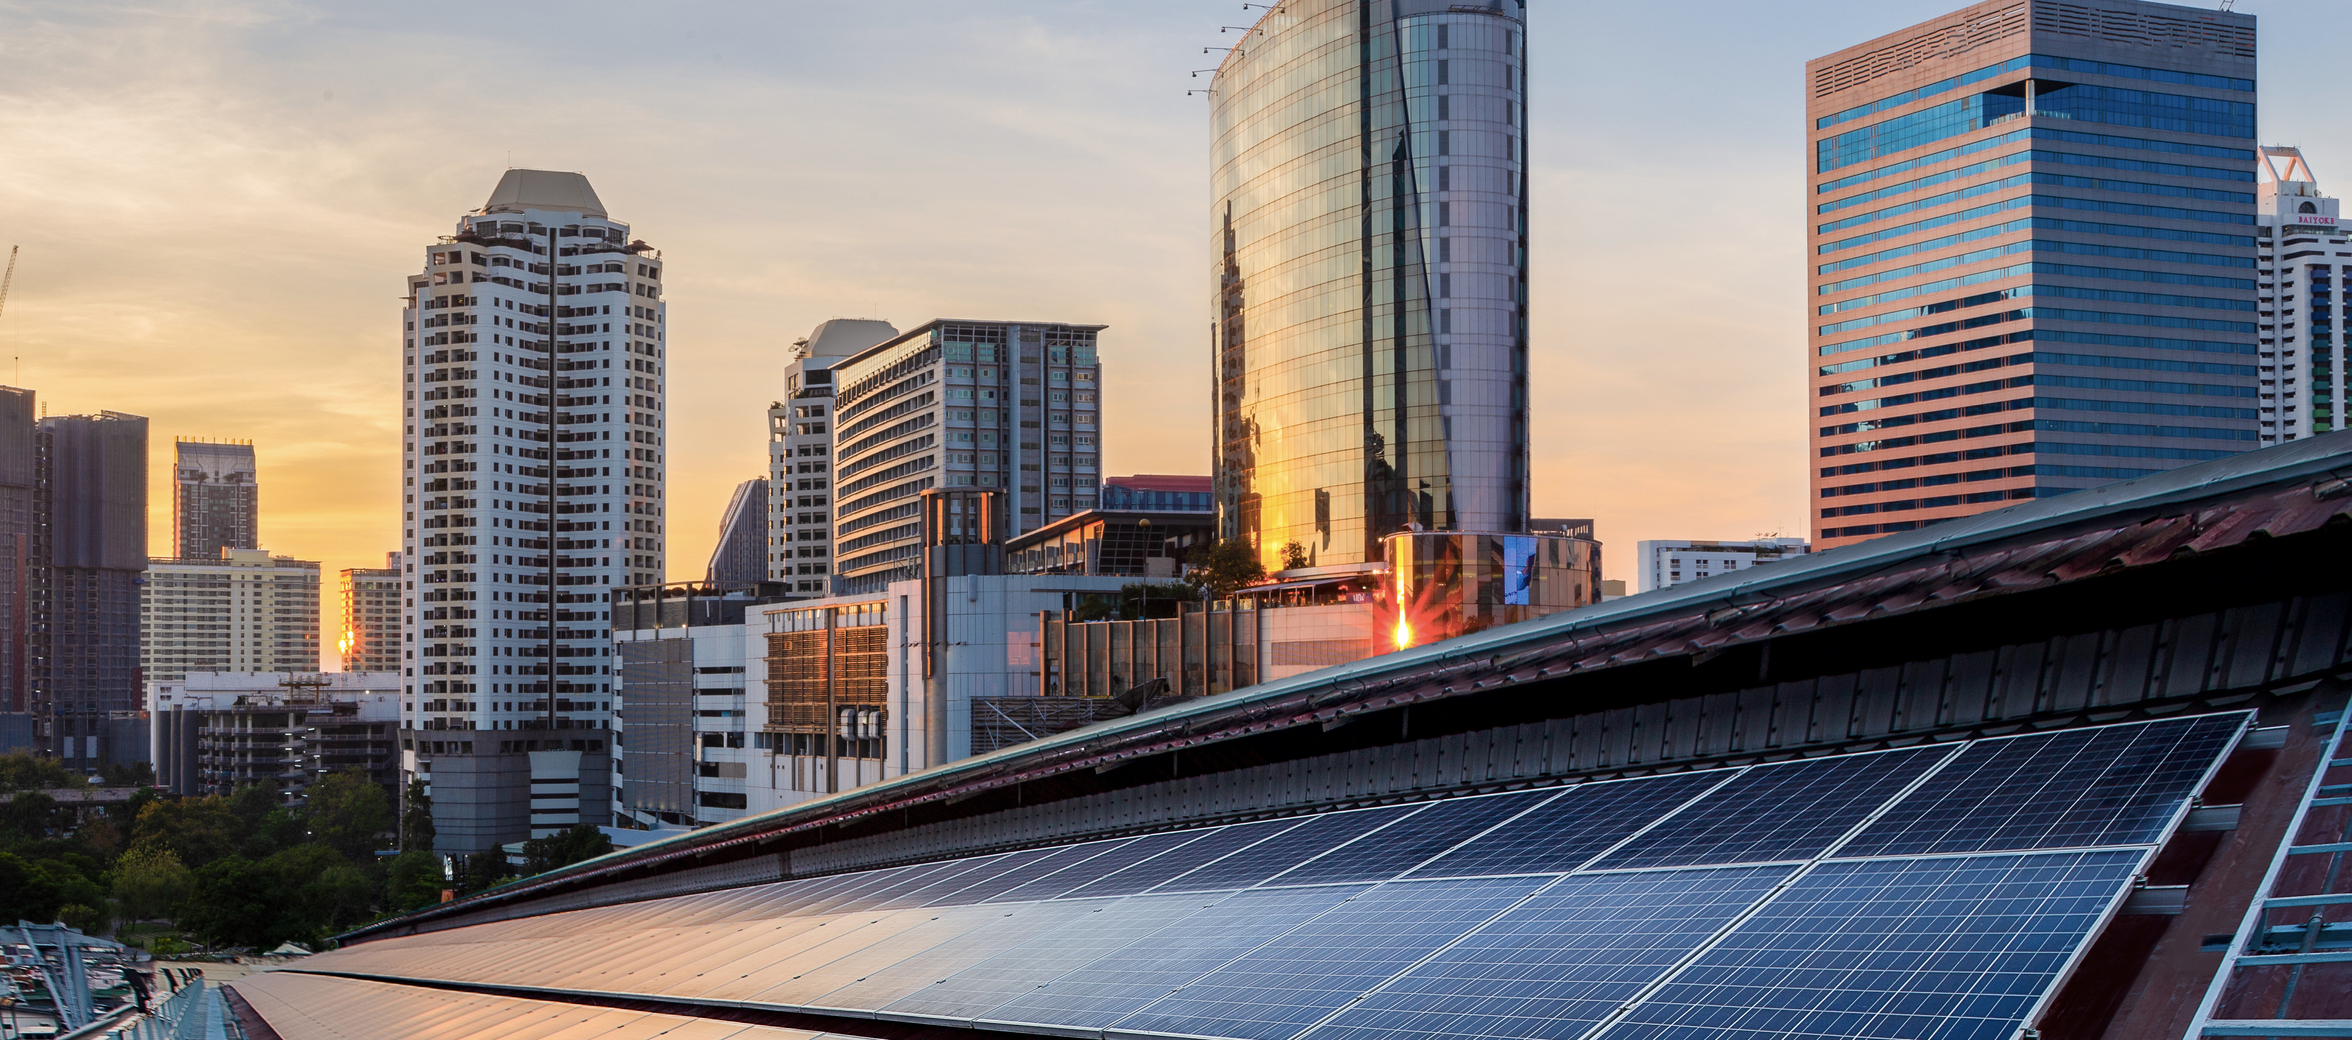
{"type": "Point", "coordinates": [1661, 396]}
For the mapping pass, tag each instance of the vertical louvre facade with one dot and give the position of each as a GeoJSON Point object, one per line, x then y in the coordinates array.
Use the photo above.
{"type": "Point", "coordinates": [1011, 407]}
{"type": "Point", "coordinates": [2033, 263]}
{"type": "Point", "coordinates": [1368, 280]}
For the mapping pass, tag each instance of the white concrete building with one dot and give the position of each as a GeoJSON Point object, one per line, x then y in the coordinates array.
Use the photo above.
{"type": "Point", "coordinates": [729, 706]}
{"type": "Point", "coordinates": [247, 611]}
{"type": "Point", "coordinates": [800, 453]}
{"type": "Point", "coordinates": [2303, 253]}
{"type": "Point", "coordinates": [534, 447]}
{"type": "Point", "coordinates": [213, 732]}
{"type": "Point", "coordinates": [1664, 563]}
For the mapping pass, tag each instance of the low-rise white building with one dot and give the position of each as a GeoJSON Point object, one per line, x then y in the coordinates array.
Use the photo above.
{"type": "Point", "coordinates": [247, 611]}
{"type": "Point", "coordinates": [736, 701]}
{"type": "Point", "coordinates": [1665, 563]}
{"type": "Point", "coordinates": [213, 732]}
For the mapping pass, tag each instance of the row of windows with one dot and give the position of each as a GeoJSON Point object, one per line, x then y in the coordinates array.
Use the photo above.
{"type": "Point", "coordinates": [2121, 274]}
{"type": "Point", "coordinates": [2041, 224]}
{"type": "Point", "coordinates": [2045, 133]}
{"type": "Point", "coordinates": [2045, 335]}
{"type": "Point", "coordinates": [2060, 314]}
{"type": "Point", "coordinates": [2046, 156]}
{"type": "Point", "coordinates": [2045, 379]}
{"type": "Point", "coordinates": [2062, 180]}
{"type": "Point", "coordinates": [2169, 256]}
{"type": "Point", "coordinates": [2044, 61]}
{"type": "Point", "coordinates": [2059, 202]}
{"type": "Point", "coordinates": [1940, 501]}
{"type": "Point", "coordinates": [2115, 106]}
{"type": "Point", "coordinates": [2071, 292]}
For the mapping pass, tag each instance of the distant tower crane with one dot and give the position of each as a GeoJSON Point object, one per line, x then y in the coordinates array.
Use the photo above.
{"type": "Point", "coordinates": [7, 278]}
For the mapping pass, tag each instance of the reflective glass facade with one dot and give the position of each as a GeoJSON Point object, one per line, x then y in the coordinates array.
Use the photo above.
{"type": "Point", "coordinates": [2034, 265]}
{"type": "Point", "coordinates": [1369, 288]}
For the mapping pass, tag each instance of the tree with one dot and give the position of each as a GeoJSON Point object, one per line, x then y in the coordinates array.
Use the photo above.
{"type": "Point", "coordinates": [31, 815]}
{"type": "Point", "coordinates": [25, 771]}
{"type": "Point", "coordinates": [200, 830]}
{"type": "Point", "coordinates": [1227, 566]}
{"type": "Point", "coordinates": [151, 883]}
{"type": "Point", "coordinates": [583, 842]}
{"type": "Point", "coordinates": [233, 905]}
{"type": "Point", "coordinates": [483, 871]}
{"type": "Point", "coordinates": [127, 774]}
{"type": "Point", "coordinates": [348, 812]}
{"type": "Point", "coordinates": [414, 880]}
{"type": "Point", "coordinates": [416, 818]}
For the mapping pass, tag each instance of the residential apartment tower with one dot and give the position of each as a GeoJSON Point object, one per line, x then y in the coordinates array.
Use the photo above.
{"type": "Point", "coordinates": [216, 498]}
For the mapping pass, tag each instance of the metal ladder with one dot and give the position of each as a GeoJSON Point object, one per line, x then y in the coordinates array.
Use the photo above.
{"type": "Point", "coordinates": [2251, 933]}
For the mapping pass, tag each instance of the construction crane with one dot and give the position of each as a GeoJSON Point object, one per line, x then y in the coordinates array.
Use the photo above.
{"type": "Point", "coordinates": [7, 278]}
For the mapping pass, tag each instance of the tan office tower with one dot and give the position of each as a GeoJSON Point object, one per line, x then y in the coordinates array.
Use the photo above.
{"type": "Point", "coordinates": [2033, 261]}
{"type": "Point", "coordinates": [370, 640]}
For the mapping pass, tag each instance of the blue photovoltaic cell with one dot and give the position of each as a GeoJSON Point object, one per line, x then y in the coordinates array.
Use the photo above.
{"type": "Point", "coordinates": [1958, 948]}
{"type": "Point", "coordinates": [1205, 847]}
{"type": "Point", "coordinates": [1286, 850]}
{"type": "Point", "coordinates": [1563, 834]}
{"type": "Point", "coordinates": [1556, 966]}
{"type": "Point", "coordinates": [879, 886]}
{"type": "Point", "coordinates": [1104, 929]}
{"type": "Point", "coordinates": [947, 882]}
{"type": "Point", "coordinates": [1790, 810]}
{"type": "Point", "coordinates": [1397, 847]}
{"type": "Point", "coordinates": [1073, 875]}
{"type": "Point", "coordinates": [1112, 987]}
{"type": "Point", "coordinates": [2114, 785]}
{"type": "Point", "coordinates": [1294, 981]}
{"type": "Point", "coordinates": [1054, 860]}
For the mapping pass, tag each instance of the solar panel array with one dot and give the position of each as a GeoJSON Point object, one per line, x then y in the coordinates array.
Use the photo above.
{"type": "Point", "coordinates": [1928, 891]}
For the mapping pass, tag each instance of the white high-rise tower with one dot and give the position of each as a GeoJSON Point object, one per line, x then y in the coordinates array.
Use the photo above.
{"type": "Point", "coordinates": [533, 449]}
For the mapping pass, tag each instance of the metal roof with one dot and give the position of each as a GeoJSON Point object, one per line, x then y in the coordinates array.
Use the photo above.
{"type": "Point", "coordinates": [2274, 492]}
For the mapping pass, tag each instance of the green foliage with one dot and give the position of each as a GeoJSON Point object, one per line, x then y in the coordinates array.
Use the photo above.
{"type": "Point", "coordinates": [413, 880]}
{"type": "Point", "coordinates": [1227, 566]}
{"type": "Point", "coordinates": [32, 816]}
{"type": "Point", "coordinates": [298, 895]}
{"type": "Point", "coordinates": [348, 812]}
{"type": "Point", "coordinates": [26, 771]}
{"type": "Point", "coordinates": [151, 882]}
{"type": "Point", "coordinates": [36, 890]}
{"type": "Point", "coordinates": [583, 842]}
{"type": "Point", "coordinates": [198, 830]}
{"type": "Point", "coordinates": [127, 774]}
{"type": "Point", "coordinates": [416, 818]}
{"type": "Point", "coordinates": [483, 870]}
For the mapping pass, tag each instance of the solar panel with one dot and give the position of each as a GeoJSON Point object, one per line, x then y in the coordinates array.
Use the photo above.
{"type": "Point", "coordinates": [1786, 811]}
{"type": "Point", "coordinates": [1205, 847]}
{"type": "Point", "coordinates": [1121, 983]}
{"type": "Point", "coordinates": [1051, 861]}
{"type": "Point", "coordinates": [1286, 850]}
{"type": "Point", "coordinates": [1107, 926]}
{"type": "Point", "coordinates": [2115, 785]}
{"type": "Point", "coordinates": [1307, 973]}
{"type": "Point", "coordinates": [1558, 965]}
{"type": "Point", "coordinates": [925, 889]}
{"type": "Point", "coordinates": [1074, 875]}
{"type": "Point", "coordinates": [1957, 948]}
{"type": "Point", "coordinates": [1561, 835]}
{"type": "Point", "coordinates": [1398, 847]}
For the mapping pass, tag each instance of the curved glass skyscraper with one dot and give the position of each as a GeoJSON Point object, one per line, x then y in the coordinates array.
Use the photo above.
{"type": "Point", "coordinates": [1370, 276]}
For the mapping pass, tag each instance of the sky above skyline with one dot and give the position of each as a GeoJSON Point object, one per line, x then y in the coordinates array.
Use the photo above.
{"type": "Point", "coordinates": [217, 204]}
